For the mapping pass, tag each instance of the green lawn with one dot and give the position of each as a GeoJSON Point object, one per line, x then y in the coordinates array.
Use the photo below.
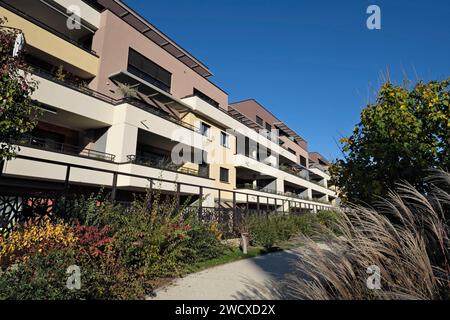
{"type": "Point", "coordinates": [235, 254]}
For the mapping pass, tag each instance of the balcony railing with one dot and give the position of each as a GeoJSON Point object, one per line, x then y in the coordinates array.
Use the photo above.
{"type": "Point", "coordinates": [249, 186]}
{"type": "Point", "coordinates": [167, 165]}
{"type": "Point", "coordinates": [80, 87]}
{"type": "Point", "coordinates": [146, 107]}
{"type": "Point", "coordinates": [300, 172]}
{"type": "Point", "coordinates": [44, 26]}
{"type": "Point", "coordinates": [319, 183]}
{"type": "Point", "coordinates": [50, 145]}
{"type": "Point", "coordinates": [320, 167]}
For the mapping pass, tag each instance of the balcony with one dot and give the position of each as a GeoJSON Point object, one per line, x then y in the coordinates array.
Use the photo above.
{"type": "Point", "coordinates": [165, 164]}
{"type": "Point", "coordinates": [319, 167]}
{"type": "Point", "coordinates": [249, 186]}
{"type": "Point", "coordinates": [53, 146]}
{"type": "Point", "coordinates": [296, 171]}
{"type": "Point", "coordinates": [80, 86]}
{"type": "Point", "coordinates": [46, 40]}
{"type": "Point", "coordinates": [145, 106]}
{"type": "Point", "coordinates": [72, 83]}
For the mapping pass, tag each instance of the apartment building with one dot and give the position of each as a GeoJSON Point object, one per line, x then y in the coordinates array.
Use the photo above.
{"type": "Point", "coordinates": [125, 108]}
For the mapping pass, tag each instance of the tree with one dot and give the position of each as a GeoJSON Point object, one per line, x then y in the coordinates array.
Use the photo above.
{"type": "Point", "coordinates": [400, 137]}
{"type": "Point", "coordinates": [18, 112]}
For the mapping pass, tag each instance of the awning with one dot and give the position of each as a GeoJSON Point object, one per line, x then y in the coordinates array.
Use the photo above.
{"type": "Point", "coordinates": [150, 91]}
{"type": "Point", "coordinates": [283, 127]}
{"type": "Point", "coordinates": [152, 33]}
{"type": "Point", "coordinates": [243, 119]}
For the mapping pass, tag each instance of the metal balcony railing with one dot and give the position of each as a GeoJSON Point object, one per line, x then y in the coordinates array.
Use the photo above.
{"type": "Point", "coordinates": [53, 146]}
{"type": "Point", "coordinates": [300, 172]}
{"type": "Point", "coordinates": [320, 167]}
{"type": "Point", "coordinates": [80, 87]}
{"type": "Point", "coordinates": [249, 186]}
{"type": "Point", "coordinates": [46, 27]}
{"type": "Point", "coordinates": [144, 106]}
{"type": "Point", "coordinates": [166, 164]}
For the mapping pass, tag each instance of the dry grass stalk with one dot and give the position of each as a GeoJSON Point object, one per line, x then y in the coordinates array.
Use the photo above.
{"type": "Point", "coordinates": [405, 235]}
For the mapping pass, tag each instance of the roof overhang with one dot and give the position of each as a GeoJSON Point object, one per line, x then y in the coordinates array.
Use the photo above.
{"type": "Point", "coordinates": [243, 119]}
{"type": "Point", "coordinates": [283, 127]}
{"type": "Point", "coordinates": [151, 32]}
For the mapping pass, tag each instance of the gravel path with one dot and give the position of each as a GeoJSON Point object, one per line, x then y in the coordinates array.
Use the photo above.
{"type": "Point", "coordinates": [250, 279]}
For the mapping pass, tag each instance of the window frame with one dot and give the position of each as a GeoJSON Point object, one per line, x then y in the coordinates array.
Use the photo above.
{"type": "Point", "coordinates": [260, 121]}
{"type": "Point", "coordinates": [160, 82]}
{"type": "Point", "coordinates": [208, 131]}
{"type": "Point", "coordinates": [225, 144]}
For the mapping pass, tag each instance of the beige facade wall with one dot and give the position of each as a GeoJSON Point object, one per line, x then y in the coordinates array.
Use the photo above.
{"type": "Point", "coordinates": [218, 156]}
{"type": "Point", "coordinates": [217, 116]}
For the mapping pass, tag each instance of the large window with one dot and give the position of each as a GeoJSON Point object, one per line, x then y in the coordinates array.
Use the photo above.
{"type": "Point", "coordinates": [224, 175]}
{"type": "Point", "coordinates": [259, 121]}
{"type": "Point", "coordinates": [303, 161]}
{"type": "Point", "coordinates": [205, 129]}
{"type": "Point", "coordinates": [149, 71]}
{"type": "Point", "coordinates": [224, 140]}
{"type": "Point", "coordinates": [204, 97]}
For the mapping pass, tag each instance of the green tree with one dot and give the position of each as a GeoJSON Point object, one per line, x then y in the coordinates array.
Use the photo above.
{"type": "Point", "coordinates": [18, 112]}
{"type": "Point", "coordinates": [399, 137]}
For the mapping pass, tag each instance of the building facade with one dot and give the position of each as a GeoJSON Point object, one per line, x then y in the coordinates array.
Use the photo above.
{"type": "Point", "coordinates": [125, 108]}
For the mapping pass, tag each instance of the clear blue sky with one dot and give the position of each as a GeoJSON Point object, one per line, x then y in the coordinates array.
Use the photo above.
{"type": "Point", "coordinates": [314, 64]}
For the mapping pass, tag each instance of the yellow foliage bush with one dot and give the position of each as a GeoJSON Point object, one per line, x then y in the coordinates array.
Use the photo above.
{"type": "Point", "coordinates": [34, 238]}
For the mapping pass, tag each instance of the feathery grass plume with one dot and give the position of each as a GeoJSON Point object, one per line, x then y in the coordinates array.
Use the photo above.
{"type": "Point", "coordinates": [405, 235]}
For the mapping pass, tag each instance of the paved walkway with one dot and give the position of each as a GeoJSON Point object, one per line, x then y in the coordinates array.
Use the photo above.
{"type": "Point", "coordinates": [245, 279]}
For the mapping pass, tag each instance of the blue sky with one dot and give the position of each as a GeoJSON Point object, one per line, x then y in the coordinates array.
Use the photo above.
{"type": "Point", "coordinates": [314, 64]}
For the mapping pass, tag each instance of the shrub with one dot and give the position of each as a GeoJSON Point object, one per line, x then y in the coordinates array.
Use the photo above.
{"type": "Point", "coordinates": [267, 231]}
{"type": "Point", "coordinates": [155, 237]}
{"type": "Point", "coordinates": [93, 240]}
{"type": "Point", "coordinates": [204, 242]}
{"type": "Point", "coordinates": [330, 220]}
{"type": "Point", "coordinates": [33, 238]}
{"type": "Point", "coordinates": [43, 277]}
{"type": "Point", "coordinates": [263, 230]}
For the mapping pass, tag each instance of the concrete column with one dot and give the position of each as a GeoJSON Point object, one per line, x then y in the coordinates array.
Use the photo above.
{"type": "Point", "coordinates": [307, 194]}
{"type": "Point", "coordinates": [280, 185]}
{"type": "Point", "coordinates": [122, 141]}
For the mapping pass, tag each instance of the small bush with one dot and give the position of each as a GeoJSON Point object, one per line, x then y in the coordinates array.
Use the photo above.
{"type": "Point", "coordinates": [327, 218]}
{"type": "Point", "coordinates": [204, 243]}
{"type": "Point", "coordinates": [154, 237]}
{"type": "Point", "coordinates": [43, 277]}
{"type": "Point", "coordinates": [267, 231]}
{"type": "Point", "coordinates": [263, 231]}
{"type": "Point", "coordinates": [35, 237]}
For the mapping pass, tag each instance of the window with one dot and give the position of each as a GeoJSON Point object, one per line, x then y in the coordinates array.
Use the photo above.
{"type": "Point", "coordinates": [303, 161]}
{"type": "Point", "coordinates": [149, 71]}
{"type": "Point", "coordinates": [204, 97]}
{"type": "Point", "coordinates": [224, 140]}
{"type": "Point", "coordinates": [268, 127]}
{"type": "Point", "coordinates": [291, 151]}
{"type": "Point", "coordinates": [259, 121]}
{"type": "Point", "coordinates": [205, 129]}
{"type": "Point", "coordinates": [224, 175]}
